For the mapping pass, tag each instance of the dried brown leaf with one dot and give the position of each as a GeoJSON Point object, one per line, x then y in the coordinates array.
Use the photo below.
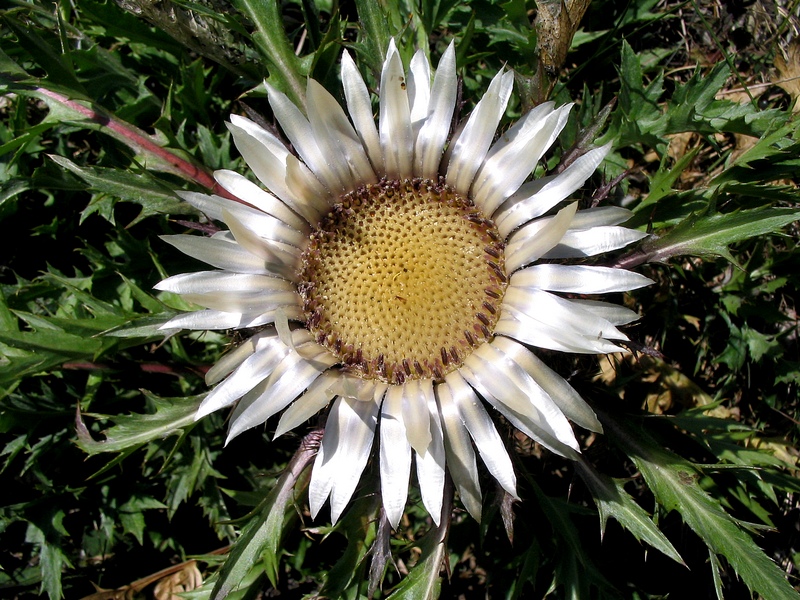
{"type": "Point", "coordinates": [788, 65]}
{"type": "Point", "coordinates": [186, 579]}
{"type": "Point", "coordinates": [183, 577]}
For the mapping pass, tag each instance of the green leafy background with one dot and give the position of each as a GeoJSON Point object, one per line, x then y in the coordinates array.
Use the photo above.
{"type": "Point", "coordinates": [110, 489]}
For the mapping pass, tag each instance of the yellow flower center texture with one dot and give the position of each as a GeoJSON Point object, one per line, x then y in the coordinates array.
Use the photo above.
{"type": "Point", "coordinates": [402, 280]}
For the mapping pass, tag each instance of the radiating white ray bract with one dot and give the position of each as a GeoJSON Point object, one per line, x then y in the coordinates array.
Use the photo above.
{"type": "Point", "coordinates": [431, 426]}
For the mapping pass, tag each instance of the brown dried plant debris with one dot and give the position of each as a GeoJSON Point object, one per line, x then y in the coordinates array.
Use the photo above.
{"type": "Point", "coordinates": [169, 582]}
{"type": "Point", "coordinates": [788, 65]}
{"type": "Point", "coordinates": [667, 388]}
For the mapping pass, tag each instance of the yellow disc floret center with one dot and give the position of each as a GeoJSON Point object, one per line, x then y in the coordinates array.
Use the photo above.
{"type": "Point", "coordinates": [401, 280]}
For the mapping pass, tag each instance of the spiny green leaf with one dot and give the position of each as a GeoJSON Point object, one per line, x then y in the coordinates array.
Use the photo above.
{"type": "Point", "coordinates": [18, 365]}
{"type": "Point", "coordinates": [46, 530]}
{"type": "Point", "coordinates": [709, 235]}
{"type": "Point", "coordinates": [131, 514]}
{"type": "Point", "coordinates": [286, 70]}
{"type": "Point", "coordinates": [191, 469]}
{"type": "Point", "coordinates": [530, 562]}
{"type": "Point", "coordinates": [12, 449]}
{"type": "Point", "coordinates": [432, 12]}
{"type": "Point", "coordinates": [359, 527]}
{"type": "Point", "coordinates": [690, 102]}
{"type": "Point", "coordinates": [29, 135]}
{"type": "Point", "coordinates": [377, 20]}
{"type": "Point", "coordinates": [8, 321]}
{"type": "Point", "coordinates": [675, 484]}
{"type": "Point", "coordinates": [770, 146]}
{"type": "Point", "coordinates": [715, 569]}
{"type": "Point", "coordinates": [424, 581]}
{"type": "Point", "coordinates": [142, 327]}
{"type": "Point", "coordinates": [573, 567]}
{"type": "Point", "coordinates": [66, 344]}
{"type": "Point", "coordinates": [75, 326]}
{"type": "Point", "coordinates": [148, 301]}
{"type": "Point", "coordinates": [152, 196]}
{"type": "Point", "coordinates": [613, 501]}
{"type": "Point", "coordinates": [57, 70]}
{"type": "Point", "coordinates": [643, 118]}
{"type": "Point", "coordinates": [10, 68]}
{"type": "Point", "coordinates": [662, 182]}
{"type": "Point", "coordinates": [132, 431]}
{"type": "Point", "coordinates": [78, 288]}
{"type": "Point", "coordinates": [262, 535]}
{"type": "Point", "coordinates": [637, 118]}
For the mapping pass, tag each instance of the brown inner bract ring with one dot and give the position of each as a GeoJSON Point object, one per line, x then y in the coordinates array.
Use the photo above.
{"type": "Point", "coordinates": [402, 279]}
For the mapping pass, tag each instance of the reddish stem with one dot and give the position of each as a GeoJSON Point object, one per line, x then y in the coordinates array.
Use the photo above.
{"type": "Point", "coordinates": [152, 367]}
{"type": "Point", "coordinates": [141, 141]}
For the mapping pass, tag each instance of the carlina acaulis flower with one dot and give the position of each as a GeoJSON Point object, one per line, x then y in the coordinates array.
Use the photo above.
{"type": "Point", "coordinates": [402, 277]}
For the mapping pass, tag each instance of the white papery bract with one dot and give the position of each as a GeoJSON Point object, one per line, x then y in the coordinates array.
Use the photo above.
{"type": "Point", "coordinates": [432, 412]}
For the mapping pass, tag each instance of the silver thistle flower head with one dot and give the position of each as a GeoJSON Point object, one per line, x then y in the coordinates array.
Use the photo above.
{"type": "Point", "coordinates": [396, 275]}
